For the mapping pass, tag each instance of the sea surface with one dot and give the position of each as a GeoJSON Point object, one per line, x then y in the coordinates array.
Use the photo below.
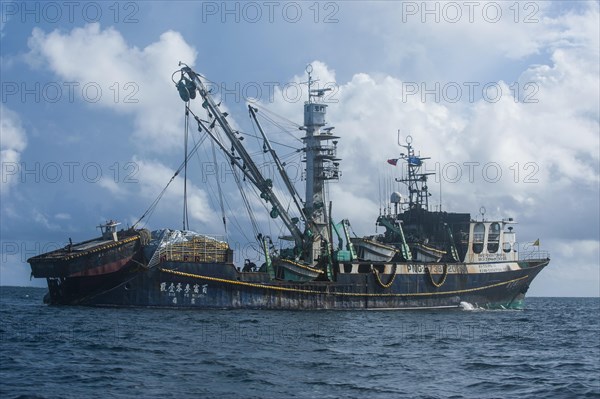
{"type": "Point", "coordinates": [551, 349]}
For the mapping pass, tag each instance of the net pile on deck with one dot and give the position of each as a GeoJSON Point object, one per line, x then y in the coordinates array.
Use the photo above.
{"type": "Point", "coordinates": [186, 246]}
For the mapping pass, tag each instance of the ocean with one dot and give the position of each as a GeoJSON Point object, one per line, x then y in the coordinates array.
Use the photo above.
{"type": "Point", "coordinates": [551, 349]}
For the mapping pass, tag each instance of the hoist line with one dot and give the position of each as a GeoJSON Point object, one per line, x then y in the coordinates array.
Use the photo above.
{"type": "Point", "coordinates": [154, 203]}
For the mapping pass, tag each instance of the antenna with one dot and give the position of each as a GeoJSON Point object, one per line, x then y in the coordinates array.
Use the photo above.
{"type": "Point", "coordinates": [379, 182]}
{"type": "Point", "coordinates": [309, 70]}
{"type": "Point", "coordinates": [441, 178]}
{"type": "Point", "coordinates": [314, 92]}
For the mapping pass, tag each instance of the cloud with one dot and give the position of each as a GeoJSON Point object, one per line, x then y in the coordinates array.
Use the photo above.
{"type": "Point", "coordinates": [154, 176]}
{"type": "Point", "coordinates": [439, 39]}
{"type": "Point", "coordinates": [526, 136]}
{"type": "Point", "coordinates": [574, 264]}
{"type": "Point", "coordinates": [13, 141]}
{"type": "Point", "coordinates": [116, 75]}
{"type": "Point", "coordinates": [115, 189]}
{"type": "Point", "coordinates": [44, 220]}
{"type": "Point", "coordinates": [62, 216]}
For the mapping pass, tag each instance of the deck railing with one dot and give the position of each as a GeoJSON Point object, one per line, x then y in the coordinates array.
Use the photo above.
{"type": "Point", "coordinates": [529, 255]}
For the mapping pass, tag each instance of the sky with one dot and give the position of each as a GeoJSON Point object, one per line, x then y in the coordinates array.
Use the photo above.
{"type": "Point", "coordinates": [503, 96]}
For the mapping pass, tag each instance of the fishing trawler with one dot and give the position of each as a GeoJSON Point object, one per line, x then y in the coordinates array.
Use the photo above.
{"type": "Point", "coordinates": [425, 259]}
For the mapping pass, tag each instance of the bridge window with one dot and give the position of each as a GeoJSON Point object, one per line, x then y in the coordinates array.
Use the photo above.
{"type": "Point", "coordinates": [478, 235]}
{"type": "Point", "coordinates": [494, 238]}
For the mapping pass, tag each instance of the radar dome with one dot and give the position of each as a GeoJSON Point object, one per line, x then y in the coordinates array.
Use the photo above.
{"type": "Point", "coordinates": [396, 198]}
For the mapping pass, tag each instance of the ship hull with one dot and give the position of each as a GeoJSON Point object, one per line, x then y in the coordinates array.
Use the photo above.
{"type": "Point", "coordinates": [73, 275]}
{"type": "Point", "coordinates": [404, 286]}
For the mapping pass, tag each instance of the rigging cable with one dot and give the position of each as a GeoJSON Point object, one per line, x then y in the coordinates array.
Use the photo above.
{"type": "Point", "coordinates": [154, 203]}
{"type": "Point", "coordinates": [266, 164]}
{"type": "Point", "coordinates": [186, 222]}
{"type": "Point", "coordinates": [233, 217]}
{"type": "Point", "coordinates": [246, 202]}
{"type": "Point", "coordinates": [295, 125]}
{"type": "Point", "coordinates": [217, 136]}
{"type": "Point", "coordinates": [217, 178]}
{"type": "Point", "coordinates": [274, 142]}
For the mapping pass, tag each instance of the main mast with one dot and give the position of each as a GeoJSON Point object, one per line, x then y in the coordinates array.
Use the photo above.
{"type": "Point", "coordinates": [418, 192]}
{"type": "Point", "coordinates": [321, 165]}
{"type": "Point", "coordinates": [313, 245]}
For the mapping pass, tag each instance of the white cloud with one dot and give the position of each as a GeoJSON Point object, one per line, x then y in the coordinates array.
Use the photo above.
{"type": "Point", "coordinates": [428, 39]}
{"type": "Point", "coordinates": [44, 220]}
{"type": "Point", "coordinates": [112, 186]}
{"type": "Point", "coordinates": [62, 216]}
{"type": "Point", "coordinates": [131, 80]}
{"type": "Point", "coordinates": [154, 176]}
{"type": "Point", "coordinates": [529, 141]}
{"type": "Point", "coordinates": [13, 141]}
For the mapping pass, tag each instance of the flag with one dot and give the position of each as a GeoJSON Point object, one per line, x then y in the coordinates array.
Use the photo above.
{"type": "Point", "coordinates": [392, 161]}
{"type": "Point", "coordinates": [536, 243]}
{"type": "Point", "coordinates": [414, 161]}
